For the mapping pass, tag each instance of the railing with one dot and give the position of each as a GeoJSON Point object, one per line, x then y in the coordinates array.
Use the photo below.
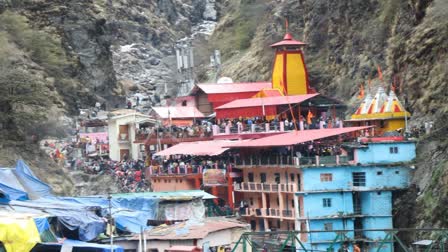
{"type": "Point", "coordinates": [259, 187]}
{"type": "Point", "coordinates": [268, 212]}
{"type": "Point", "coordinates": [287, 160]}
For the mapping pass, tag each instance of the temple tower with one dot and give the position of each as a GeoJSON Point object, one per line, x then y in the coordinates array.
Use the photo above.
{"type": "Point", "coordinates": [289, 73]}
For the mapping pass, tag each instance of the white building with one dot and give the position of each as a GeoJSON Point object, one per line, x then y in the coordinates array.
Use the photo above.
{"type": "Point", "coordinates": [122, 128]}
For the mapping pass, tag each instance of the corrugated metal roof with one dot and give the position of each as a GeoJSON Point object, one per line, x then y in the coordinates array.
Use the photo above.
{"type": "Point", "coordinates": [167, 195]}
{"type": "Point", "coordinates": [200, 148]}
{"type": "Point", "coordinates": [267, 101]}
{"type": "Point", "coordinates": [178, 112]}
{"type": "Point", "coordinates": [191, 231]}
{"type": "Point", "coordinates": [241, 87]}
{"type": "Point", "coordinates": [296, 137]}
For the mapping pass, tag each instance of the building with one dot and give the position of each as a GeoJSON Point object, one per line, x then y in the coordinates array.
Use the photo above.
{"type": "Point", "coordinates": [354, 197]}
{"type": "Point", "coordinates": [123, 130]}
{"type": "Point", "coordinates": [383, 111]}
{"type": "Point", "coordinates": [216, 233]}
{"type": "Point", "coordinates": [298, 167]}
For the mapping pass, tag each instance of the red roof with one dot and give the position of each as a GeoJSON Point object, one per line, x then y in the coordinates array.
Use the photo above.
{"type": "Point", "coordinates": [227, 88]}
{"type": "Point", "coordinates": [200, 148]}
{"type": "Point", "coordinates": [288, 40]}
{"type": "Point", "coordinates": [267, 101]}
{"type": "Point", "coordinates": [178, 112]}
{"type": "Point", "coordinates": [296, 137]}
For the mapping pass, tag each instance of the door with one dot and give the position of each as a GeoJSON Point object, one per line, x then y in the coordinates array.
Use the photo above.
{"type": "Point", "coordinates": [124, 154]}
{"type": "Point", "coordinates": [261, 224]}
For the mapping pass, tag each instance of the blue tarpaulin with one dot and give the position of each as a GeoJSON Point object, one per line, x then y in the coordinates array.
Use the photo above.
{"type": "Point", "coordinates": [35, 187]}
{"type": "Point", "coordinates": [4, 197]}
{"type": "Point", "coordinates": [130, 214]}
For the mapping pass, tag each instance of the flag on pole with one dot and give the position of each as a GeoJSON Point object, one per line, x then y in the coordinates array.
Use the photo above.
{"type": "Point", "coordinates": [380, 74]}
{"type": "Point", "coordinates": [309, 116]}
{"type": "Point", "coordinates": [361, 91]}
{"type": "Point", "coordinates": [286, 24]}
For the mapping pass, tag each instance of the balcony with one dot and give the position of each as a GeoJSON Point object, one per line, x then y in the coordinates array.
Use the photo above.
{"type": "Point", "coordinates": [287, 160]}
{"type": "Point", "coordinates": [263, 187]}
{"type": "Point", "coordinates": [268, 213]}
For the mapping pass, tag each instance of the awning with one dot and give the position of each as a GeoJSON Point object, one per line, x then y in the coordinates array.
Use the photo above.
{"type": "Point", "coordinates": [258, 106]}
{"type": "Point", "coordinates": [178, 112]}
{"type": "Point", "coordinates": [296, 137]}
{"type": "Point", "coordinates": [201, 148]}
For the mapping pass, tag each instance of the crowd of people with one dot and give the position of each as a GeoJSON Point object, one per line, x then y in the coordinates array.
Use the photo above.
{"type": "Point", "coordinates": [185, 164]}
{"type": "Point", "coordinates": [196, 130]}
{"type": "Point", "coordinates": [129, 174]}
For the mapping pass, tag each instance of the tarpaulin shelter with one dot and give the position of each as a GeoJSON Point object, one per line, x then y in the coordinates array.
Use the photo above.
{"type": "Point", "coordinates": [179, 116]}
{"type": "Point", "coordinates": [18, 232]}
{"type": "Point", "coordinates": [21, 184]}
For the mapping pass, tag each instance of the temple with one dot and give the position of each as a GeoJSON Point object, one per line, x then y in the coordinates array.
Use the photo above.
{"type": "Point", "coordinates": [278, 154]}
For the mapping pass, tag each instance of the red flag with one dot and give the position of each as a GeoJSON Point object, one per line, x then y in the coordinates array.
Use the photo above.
{"type": "Point", "coordinates": [361, 91]}
{"type": "Point", "coordinates": [286, 24]}
{"type": "Point", "coordinates": [309, 116]}
{"type": "Point", "coordinates": [380, 74]}
{"type": "Point", "coordinates": [392, 87]}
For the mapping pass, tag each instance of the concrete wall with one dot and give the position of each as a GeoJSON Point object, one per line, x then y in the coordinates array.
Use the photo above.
{"type": "Point", "coordinates": [340, 202]}
{"type": "Point", "coordinates": [338, 224]}
{"type": "Point", "coordinates": [115, 145]}
{"type": "Point", "coordinates": [376, 203]}
{"type": "Point", "coordinates": [161, 184]}
{"type": "Point", "coordinates": [376, 223]}
{"type": "Point", "coordinates": [376, 177]}
{"type": "Point", "coordinates": [379, 153]}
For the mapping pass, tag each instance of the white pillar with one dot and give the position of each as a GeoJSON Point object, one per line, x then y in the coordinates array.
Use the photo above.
{"type": "Point", "coordinates": [301, 125]}
{"type": "Point", "coordinates": [282, 126]}
{"type": "Point", "coordinates": [227, 129]}
{"type": "Point", "coordinates": [267, 127]}
{"type": "Point", "coordinates": [252, 128]}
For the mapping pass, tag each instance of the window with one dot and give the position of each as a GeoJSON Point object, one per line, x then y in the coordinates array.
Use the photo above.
{"type": "Point", "coordinates": [379, 193]}
{"type": "Point", "coordinates": [359, 178]}
{"type": "Point", "coordinates": [326, 202]}
{"type": "Point", "coordinates": [292, 176]}
{"type": "Point", "coordinates": [397, 172]}
{"type": "Point", "coordinates": [251, 201]}
{"type": "Point", "coordinates": [393, 150]}
{"type": "Point", "coordinates": [184, 103]}
{"type": "Point", "coordinates": [325, 177]}
{"type": "Point", "coordinates": [278, 201]}
{"type": "Point", "coordinates": [328, 226]}
{"type": "Point", "coordinates": [277, 178]}
{"type": "Point", "coordinates": [251, 177]}
{"type": "Point", "coordinates": [379, 173]}
{"type": "Point", "coordinates": [292, 203]}
{"type": "Point", "coordinates": [263, 177]}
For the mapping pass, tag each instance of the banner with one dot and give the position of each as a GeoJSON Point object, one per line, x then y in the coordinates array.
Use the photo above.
{"type": "Point", "coordinates": [214, 177]}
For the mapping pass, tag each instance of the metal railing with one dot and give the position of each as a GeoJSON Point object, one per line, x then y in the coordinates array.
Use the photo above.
{"type": "Point", "coordinates": [265, 187]}
{"type": "Point", "coordinates": [288, 160]}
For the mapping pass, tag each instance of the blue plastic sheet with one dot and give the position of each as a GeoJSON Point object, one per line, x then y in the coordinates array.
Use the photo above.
{"type": "Point", "coordinates": [130, 214]}
{"type": "Point", "coordinates": [103, 247]}
{"type": "Point", "coordinates": [35, 187]}
{"type": "Point", "coordinates": [42, 224]}
{"type": "Point", "coordinates": [4, 197]}
{"type": "Point", "coordinates": [12, 194]}
{"type": "Point", "coordinates": [72, 215]}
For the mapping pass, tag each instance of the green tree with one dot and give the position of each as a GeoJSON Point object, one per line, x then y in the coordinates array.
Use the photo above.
{"type": "Point", "coordinates": [23, 104]}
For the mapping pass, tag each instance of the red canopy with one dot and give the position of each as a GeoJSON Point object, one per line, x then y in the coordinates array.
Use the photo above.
{"type": "Point", "coordinates": [296, 137]}
{"type": "Point", "coordinates": [258, 106]}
